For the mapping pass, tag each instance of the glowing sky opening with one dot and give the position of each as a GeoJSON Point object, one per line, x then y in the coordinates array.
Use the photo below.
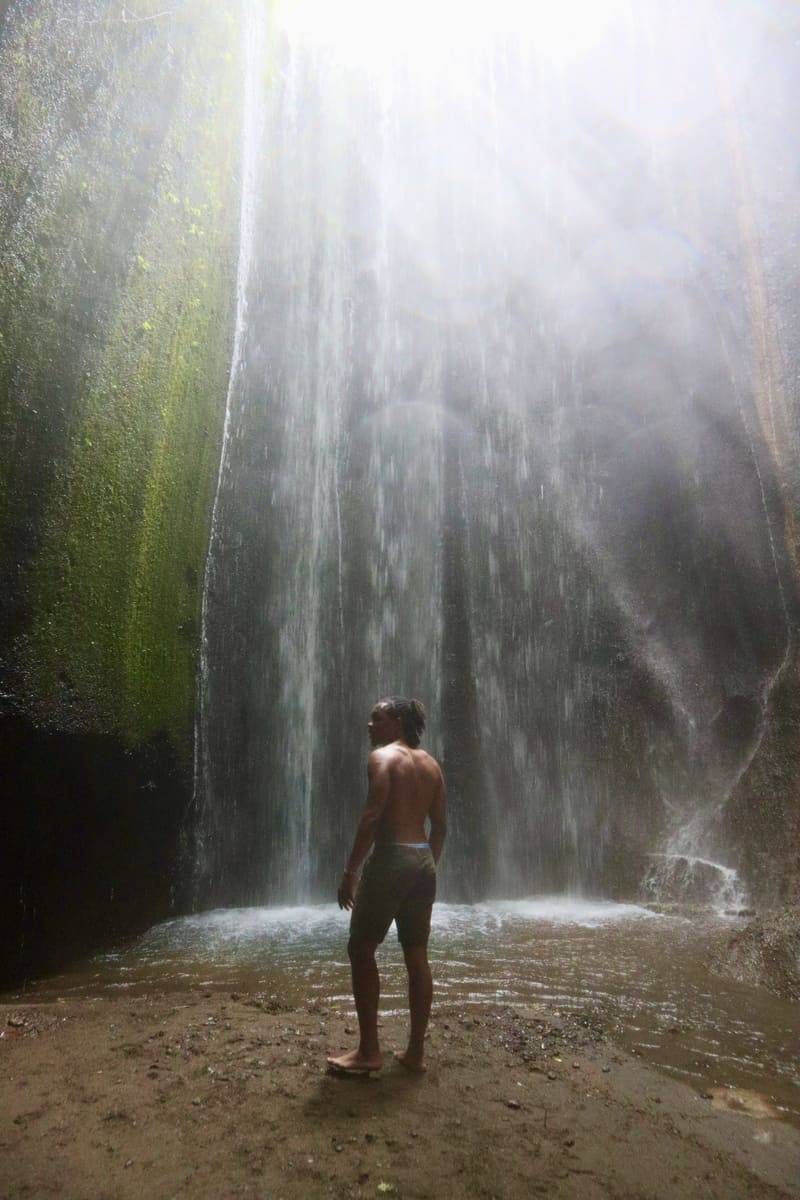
{"type": "Point", "coordinates": [373, 35]}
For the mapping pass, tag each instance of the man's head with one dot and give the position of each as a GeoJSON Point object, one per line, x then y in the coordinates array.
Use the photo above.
{"type": "Point", "coordinates": [397, 717]}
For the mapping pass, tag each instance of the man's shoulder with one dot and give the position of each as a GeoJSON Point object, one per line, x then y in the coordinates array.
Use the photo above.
{"type": "Point", "coordinates": [426, 760]}
{"type": "Point", "coordinates": [384, 755]}
{"type": "Point", "coordinates": [402, 755]}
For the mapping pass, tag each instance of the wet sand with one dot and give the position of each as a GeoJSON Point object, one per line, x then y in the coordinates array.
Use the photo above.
{"type": "Point", "coordinates": [220, 1095]}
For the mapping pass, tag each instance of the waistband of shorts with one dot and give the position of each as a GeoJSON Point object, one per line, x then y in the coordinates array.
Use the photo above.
{"type": "Point", "coordinates": [407, 850]}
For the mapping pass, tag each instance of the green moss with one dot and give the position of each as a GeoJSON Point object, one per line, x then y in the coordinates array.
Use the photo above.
{"type": "Point", "coordinates": [116, 589]}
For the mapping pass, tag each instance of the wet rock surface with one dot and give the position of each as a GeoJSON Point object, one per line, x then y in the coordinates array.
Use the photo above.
{"type": "Point", "coordinates": [80, 865]}
{"type": "Point", "coordinates": [766, 953]}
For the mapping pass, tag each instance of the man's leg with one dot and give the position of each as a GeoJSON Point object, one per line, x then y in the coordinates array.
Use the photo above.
{"type": "Point", "coordinates": [420, 994]}
{"type": "Point", "coordinates": [366, 992]}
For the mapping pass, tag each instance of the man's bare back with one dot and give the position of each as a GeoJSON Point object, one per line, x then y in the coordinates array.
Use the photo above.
{"type": "Point", "coordinates": [415, 791]}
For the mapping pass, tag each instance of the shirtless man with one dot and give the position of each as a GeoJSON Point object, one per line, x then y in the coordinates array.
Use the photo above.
{"type": "Point", "coordinates": [406, 787]}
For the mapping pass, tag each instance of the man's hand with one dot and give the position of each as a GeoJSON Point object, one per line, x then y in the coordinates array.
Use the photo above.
{"type": "Point", "coordinates": [346, 894]}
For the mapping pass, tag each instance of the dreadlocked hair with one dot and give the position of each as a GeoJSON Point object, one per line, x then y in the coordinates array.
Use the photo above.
{"type": "Point", "coordinates": [411, 714]}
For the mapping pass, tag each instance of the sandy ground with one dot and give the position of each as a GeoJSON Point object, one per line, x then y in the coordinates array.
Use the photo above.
{"type": "Point", "coordinates": [218, 1095]}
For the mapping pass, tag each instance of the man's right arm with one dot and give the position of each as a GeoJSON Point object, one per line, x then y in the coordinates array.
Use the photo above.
{"type": "Point", "coordinates": [438, 818]}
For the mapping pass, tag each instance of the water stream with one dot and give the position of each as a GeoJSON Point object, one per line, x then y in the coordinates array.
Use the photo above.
{"type": "Point", "coordinates": [646, 975]}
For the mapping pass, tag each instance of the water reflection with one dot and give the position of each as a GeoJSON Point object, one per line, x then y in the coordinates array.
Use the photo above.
{"type": "Point", "coordinates": [646, 971]}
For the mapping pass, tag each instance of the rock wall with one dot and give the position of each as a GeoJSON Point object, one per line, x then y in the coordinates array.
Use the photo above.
{"type": "Point", "coordinates": [763, 814]}
{"type": "Point", "coordinates": [763, 810]}
{"type": "Point", "coordinates": [118, 243]}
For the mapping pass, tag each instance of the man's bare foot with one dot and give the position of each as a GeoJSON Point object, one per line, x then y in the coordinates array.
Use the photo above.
{"type": "Point", "coordinates": [411, 1063]}
{"type": "Point", "coordinates": [354, 1063]}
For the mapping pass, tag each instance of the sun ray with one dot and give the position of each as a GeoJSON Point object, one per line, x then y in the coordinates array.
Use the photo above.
{"type": "Point", "coordinates": [424, 34]}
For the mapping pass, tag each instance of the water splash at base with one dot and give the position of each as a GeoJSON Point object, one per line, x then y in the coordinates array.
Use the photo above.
{"type": "Point", "coordinates": [676, 881]}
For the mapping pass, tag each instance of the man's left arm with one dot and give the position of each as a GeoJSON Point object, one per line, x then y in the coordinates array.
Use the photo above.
{"type": "Point", "coordinates": [377, 796]}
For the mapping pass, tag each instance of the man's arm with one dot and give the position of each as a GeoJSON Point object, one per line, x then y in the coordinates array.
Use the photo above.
{"type": "Point", "coordinates": [377, 795]}
{"type": "Point", "coordinates": [438, 818]}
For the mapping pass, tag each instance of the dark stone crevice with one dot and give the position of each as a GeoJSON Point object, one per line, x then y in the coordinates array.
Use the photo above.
{"type": "Point", "coordinates": [89, 843]}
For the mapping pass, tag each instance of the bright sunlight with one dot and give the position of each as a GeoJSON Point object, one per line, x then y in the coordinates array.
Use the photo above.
{"type": "Point", "coordinates": [373, 35]}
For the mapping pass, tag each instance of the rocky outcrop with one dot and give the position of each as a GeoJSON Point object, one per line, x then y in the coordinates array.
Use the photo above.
{"type": "Point", "coordinates": [766, 953]}
{"type": "Point", "coordinates": [763, 813]}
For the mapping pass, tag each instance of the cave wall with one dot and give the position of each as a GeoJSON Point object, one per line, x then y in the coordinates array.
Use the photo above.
{"type": "Point", "coordinates": [762, 815]}
{"type": "Point", "coordinates": [118, 246]}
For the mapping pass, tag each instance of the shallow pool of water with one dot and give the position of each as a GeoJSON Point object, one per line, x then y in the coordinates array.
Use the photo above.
{"type": "Point", "coordinates": [646, 971]}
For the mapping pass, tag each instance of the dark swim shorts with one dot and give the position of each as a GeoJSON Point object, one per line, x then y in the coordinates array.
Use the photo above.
{"type": "Point", "coordinates": [398, 884]}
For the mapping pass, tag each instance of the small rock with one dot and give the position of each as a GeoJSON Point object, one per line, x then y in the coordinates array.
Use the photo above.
{"type": "Point", "coordinates": [569, 1141]}
{"type": "Point", "coordinates": [576, 1066]}
{"type": "Point", "coordinates": [338, 1147]}
{"type": "Point", "coordinates": [197, 1100]}
{"type": "Point", "coordinates": [513, 1104]}
{"type": "Point", "coordinates": [552, 1075]}
{"type": "Point", "coordinates": [606, 1070]}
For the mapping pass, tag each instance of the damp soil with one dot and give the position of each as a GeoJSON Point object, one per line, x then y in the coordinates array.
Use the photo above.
{"type": "Point", "coordinates": [210, 1094]}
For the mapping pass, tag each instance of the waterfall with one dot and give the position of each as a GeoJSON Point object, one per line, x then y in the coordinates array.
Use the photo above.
{"type": "Point", "coordinates": [484, 445]}
{"type": "Point", "coordinates": [210, 813]}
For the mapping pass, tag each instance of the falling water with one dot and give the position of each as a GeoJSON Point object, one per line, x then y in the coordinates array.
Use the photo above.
{"type": "Point", "coordinates": [210, 813]}
{"type": "Point", "coordinates": [487, 444]}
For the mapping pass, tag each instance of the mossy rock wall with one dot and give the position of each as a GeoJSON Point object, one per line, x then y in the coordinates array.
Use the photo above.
{"type": "Point", "coordinates": [116, 286]}
{"type": "Point", "coordinates": [119, 146]}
